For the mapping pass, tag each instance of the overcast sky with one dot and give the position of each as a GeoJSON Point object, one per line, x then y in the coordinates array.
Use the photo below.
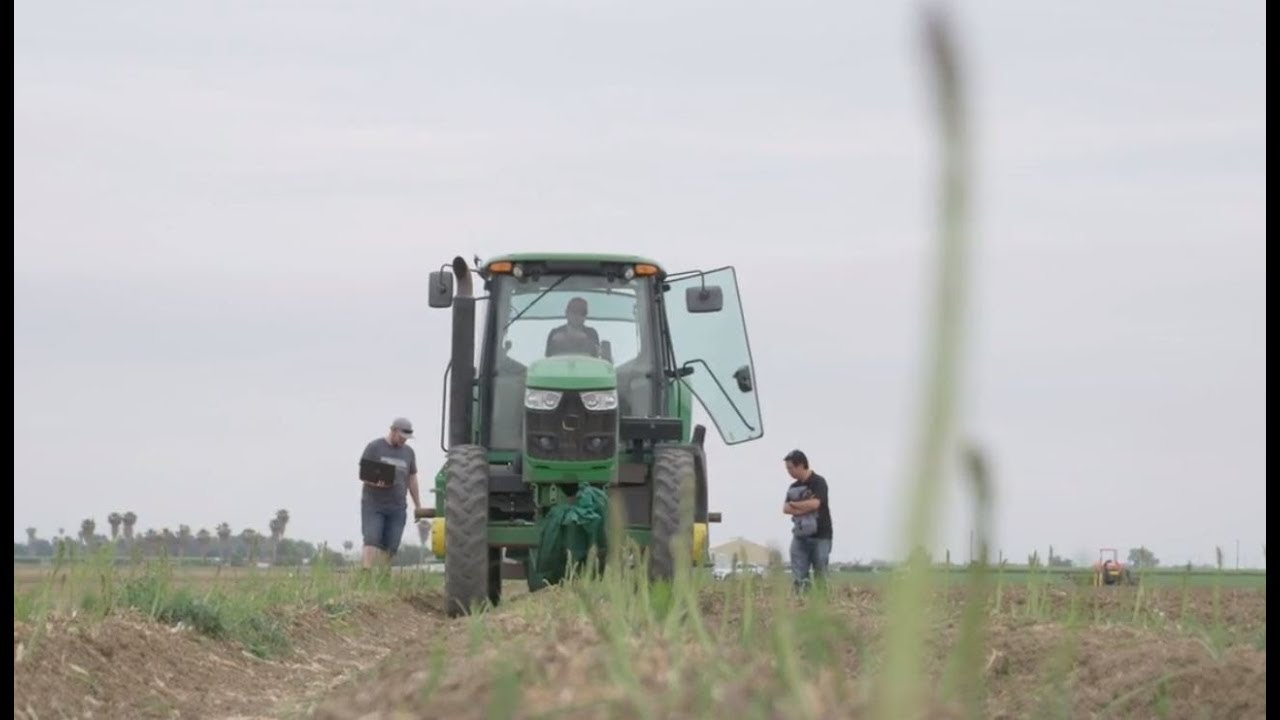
{"type": "Point", "coordinates": [225, 214]}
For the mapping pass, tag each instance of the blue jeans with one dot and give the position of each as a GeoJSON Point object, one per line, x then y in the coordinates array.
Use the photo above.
{"type": "Point", "coordinates": [383, 526]}
{"type": "Point", "coordinates": [809, 554]}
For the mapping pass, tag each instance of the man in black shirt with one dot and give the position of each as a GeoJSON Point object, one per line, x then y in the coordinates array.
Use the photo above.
{"type": "Point", "coordinates": [810, 542]}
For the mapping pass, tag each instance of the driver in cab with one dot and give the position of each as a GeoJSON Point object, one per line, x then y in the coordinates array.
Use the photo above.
{"type": "Point", "coordinates": [574, 337]}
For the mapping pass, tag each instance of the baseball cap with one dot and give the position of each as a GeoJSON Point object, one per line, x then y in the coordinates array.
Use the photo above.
{"type": "Point", "coordinates": [403, 425]}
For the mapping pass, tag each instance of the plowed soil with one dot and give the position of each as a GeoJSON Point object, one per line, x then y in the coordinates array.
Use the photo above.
{"type": "Point", "coordinates": [131, 667]}
{"type": "Point", "coordinates": [1164, 656]}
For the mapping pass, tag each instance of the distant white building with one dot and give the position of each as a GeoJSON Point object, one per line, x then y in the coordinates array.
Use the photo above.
{"type": "Point", "coordinates": [745, 551]}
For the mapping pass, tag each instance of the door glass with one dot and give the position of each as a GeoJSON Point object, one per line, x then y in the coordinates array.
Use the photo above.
{"type": "Point", "coordinates": [714, 345]}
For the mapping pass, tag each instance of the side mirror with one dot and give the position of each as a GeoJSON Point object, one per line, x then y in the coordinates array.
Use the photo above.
{"type": "Point", "coordinates": [440, 289]}
{"type": "Point", "coordinates": [704, 299]}
{"type": "Point", "coordinates": [743, 376]}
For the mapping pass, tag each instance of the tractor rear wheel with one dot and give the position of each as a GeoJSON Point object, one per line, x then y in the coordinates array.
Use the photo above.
{"type": "Point", "coordinates": [674, 476]}
{"type": "Point", "coordinates": [467, 559]}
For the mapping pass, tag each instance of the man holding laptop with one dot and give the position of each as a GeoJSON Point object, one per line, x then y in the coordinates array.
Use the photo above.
{"type": "Point", "coordinates": [387, 468]}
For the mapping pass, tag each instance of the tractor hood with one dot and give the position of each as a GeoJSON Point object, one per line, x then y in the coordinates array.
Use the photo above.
{"type": "Point", "coordinates": [572, 372]}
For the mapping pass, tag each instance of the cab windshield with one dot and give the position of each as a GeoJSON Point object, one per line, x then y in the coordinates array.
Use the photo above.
{"type": "Point", "coordinates": [569, 314]}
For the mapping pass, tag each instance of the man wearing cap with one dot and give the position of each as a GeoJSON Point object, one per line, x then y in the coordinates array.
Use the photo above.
{"type": "Point", "coordinates": [808, 550]}
{"type": "Point", "coordinates": [383, 512]}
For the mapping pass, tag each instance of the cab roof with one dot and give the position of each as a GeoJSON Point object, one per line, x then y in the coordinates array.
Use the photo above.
{"type": "Point", "coordinates": [575, 257]}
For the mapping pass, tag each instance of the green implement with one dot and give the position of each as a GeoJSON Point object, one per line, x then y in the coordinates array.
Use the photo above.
{"type": "Point", "coordinates": [569, 532]}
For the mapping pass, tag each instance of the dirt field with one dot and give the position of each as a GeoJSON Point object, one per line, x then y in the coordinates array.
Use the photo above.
{"type": "Point", "coordinates": [26, 577]}
{"type": "Point", "coordinates": [1162, 655]}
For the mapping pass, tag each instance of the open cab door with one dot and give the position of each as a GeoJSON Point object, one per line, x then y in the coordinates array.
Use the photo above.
{"type": "Point", "coordinates": [709, 338]}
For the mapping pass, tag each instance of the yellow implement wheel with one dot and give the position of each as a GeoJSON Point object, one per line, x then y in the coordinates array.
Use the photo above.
{"type": "Point", "coordinates": [437, 537]}
{"type": "Point", "coordinates": [700, 543]}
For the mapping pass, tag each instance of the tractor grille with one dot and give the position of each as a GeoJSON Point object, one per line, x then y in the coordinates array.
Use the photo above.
{"type": "Point", "coordinates": [571, 432]}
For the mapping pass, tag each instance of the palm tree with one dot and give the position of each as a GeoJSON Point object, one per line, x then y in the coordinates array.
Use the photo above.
{"type": "Point", "coordinates": [31, 541]}
{"type": "Point", "coordinates": [115, 519]}
{"type": "Point", "coordinates": [347, 545]}
{"type": "Point", "coordinates": [184, 540]}
{"type": "Point", "coordinates": [151, 540]}
{"type": "Point", "coordinates": [277, 526]}
{"type": "Point", "coordinates": [250, 538]}
{"type": "Point", "coordinates": [87, 526]}
{"type": "Point", "coordinates": [204, 538]}
{"type": "Point", "coordinates": [130, 520]}
{"type": "Point", "coordinates": [273, 526]}
{"type": "Point", "coordinates": [168, 537]}
{"type": "Point", "coordinates": [224, 541]}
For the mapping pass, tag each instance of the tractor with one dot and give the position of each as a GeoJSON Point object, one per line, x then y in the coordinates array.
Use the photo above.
{"type": "Point", "coordinates": [1110, 571]}
{"type": "Point", "coordinates": [568, 403]}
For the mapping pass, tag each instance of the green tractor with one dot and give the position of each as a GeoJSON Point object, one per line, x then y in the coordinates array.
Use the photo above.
{"type": "Point", "coordinates": [572, 398]}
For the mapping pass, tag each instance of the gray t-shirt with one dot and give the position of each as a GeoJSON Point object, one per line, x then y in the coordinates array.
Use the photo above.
{"type": "Point", "coordinates": [406, 463]}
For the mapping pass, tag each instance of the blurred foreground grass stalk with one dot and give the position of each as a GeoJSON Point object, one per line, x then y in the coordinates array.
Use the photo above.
{"type": "Point", "coordinates": [903, 686]}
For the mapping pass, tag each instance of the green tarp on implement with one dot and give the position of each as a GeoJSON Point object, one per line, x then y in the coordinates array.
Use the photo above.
{"type": "Point", "coordinates": [570, 530]}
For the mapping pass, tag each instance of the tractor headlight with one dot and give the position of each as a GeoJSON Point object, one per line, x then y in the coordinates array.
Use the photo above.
{"type": "Point", "coordinates": [600, 400]}
{"type": "Point", "coordinates": [542, 399]}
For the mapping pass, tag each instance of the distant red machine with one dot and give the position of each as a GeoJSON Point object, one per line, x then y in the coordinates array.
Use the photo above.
{"type": "Point", "coordinates": [1109, 570]}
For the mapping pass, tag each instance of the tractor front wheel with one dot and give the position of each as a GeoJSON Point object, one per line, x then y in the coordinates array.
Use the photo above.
{"type": "Point", "coordinates": [467, 564]}
{"type": "Point", "coordinates": [674, 476]}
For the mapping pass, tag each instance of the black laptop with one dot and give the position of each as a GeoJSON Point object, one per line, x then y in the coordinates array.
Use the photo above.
{"type": "Point", "coordinates": [377, 473]}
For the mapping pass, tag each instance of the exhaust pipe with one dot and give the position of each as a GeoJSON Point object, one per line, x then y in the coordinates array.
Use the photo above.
{"type": "Point", "coordinates": [462, 370]}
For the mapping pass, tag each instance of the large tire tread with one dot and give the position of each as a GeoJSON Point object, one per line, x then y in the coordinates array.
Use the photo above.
{"type": "Point", "coordinates": [466, 568]}
{"type": "Point", "coordinates": [673, 467]}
